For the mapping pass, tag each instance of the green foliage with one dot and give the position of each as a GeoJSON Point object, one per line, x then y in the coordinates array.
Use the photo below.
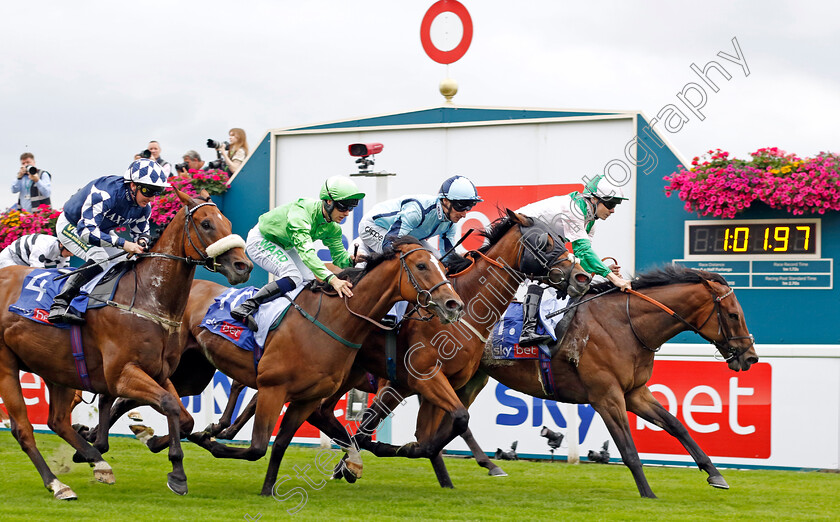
{"type": "Point", "coordinates": [399, 489]}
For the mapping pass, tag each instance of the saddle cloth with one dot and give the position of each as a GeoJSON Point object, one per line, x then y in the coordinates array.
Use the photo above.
{"type": "Point", "coordinates": [40, 288]}
{"type": "Point", "coordinates": [504, 337]}
{"type": "Point", "coordinates": [219, 321]}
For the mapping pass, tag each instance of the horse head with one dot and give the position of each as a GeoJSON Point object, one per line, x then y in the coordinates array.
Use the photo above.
{"type": "Point", "coordinates": [544, 257]}
{"type": "Point", "coordinates": [731, 336]}
{"type": "Point", "coordinates": [208, 240]}
{"type": "Point", "coordinates": [425, 281]}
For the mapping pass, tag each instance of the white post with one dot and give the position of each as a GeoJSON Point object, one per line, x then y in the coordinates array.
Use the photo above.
{"type": "Point", "coordinates": [381, 188]}
{"type": "Point", "coordinates": [208, 407]}
{"type": "Point", "coordinates": [572, 423]}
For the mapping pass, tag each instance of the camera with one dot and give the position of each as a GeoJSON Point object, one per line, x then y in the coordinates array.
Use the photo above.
{"type": "Point", "coordinates": [31, 170]}
{"type": "Point", "coordinates": [182, 167]}
{"type": "Point", "coordinates": [216, 164]}
{"type": "Point", "coordinates": [365, 149]}
{"type": "Point", "coordinates": [362, 151]}
{"type": "Point", "coordinates": [213, 144]}
{"type": "Point", "coordinates": [146, 154]}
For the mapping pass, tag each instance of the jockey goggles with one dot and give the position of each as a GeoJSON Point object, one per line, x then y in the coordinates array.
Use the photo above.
{"type": "Point", "coordinates": [346, 205]}
{"type": "Point", "coordinates": [609, 203]}
{"type": "Point", "coordinates": [462, 205]}
{"type": "Point", "coordinates": [150, 191]}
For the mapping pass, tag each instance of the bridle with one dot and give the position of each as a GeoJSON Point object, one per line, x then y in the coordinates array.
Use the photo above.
{"type": "Point", "coordinates": [424, 297]}
{"type": "Point", "coordinates": [533, 259]}
{"type": "Point", "coordinates": [210, 252]}
{"type": "Point", "coordinates": [725, 346]}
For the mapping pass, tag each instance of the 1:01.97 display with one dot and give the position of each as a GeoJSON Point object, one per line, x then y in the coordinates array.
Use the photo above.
{"type": "Point", "coordinates": [771, 238]}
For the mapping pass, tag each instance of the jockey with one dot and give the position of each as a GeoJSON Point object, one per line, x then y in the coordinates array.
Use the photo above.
{"type": "Point", "coordinates": [86, 226]}
{"type": "Point", "coordinates": [573, 216]}
{"type": "Point", "coordinates": [37, 251]}
{"type": "Point", "coordinates": [281, 243]}
{"type": "Point", "coordinates": [421, 216]}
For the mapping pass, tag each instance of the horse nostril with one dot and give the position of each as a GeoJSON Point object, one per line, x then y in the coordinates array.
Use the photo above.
{"type": "Point", "coordinates": [582, 278]}
{"type": "Point", "coordinates": [241, 266]}
{"type": "Point", "coordinates": [454, 305]}
{"type": "Point", "coordinates": [752, 360]}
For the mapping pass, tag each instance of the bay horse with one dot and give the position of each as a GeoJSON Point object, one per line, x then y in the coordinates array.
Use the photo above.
{"type": "Point", "coordinates": [130, 346]}
{"type": "Point", "coordinates": [436, 359]}
{"type": "Point", "coordinates": [617, 336]}
{"type": "Point", "coordinates": [302, 363]}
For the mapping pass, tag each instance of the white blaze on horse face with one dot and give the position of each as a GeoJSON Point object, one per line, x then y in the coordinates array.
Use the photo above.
{"type": "Point", "coordinates": [440, 270]}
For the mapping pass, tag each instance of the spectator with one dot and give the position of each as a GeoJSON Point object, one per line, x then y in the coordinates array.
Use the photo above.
{"type": "Point", "coordinates": [34, 185]}
{"type": "Point", "coordinates": [193, 160]}
{"type": "Point", "coordinates": [37, 251]}
{"type": "Point", "coordinates": [235, 155]}
{"type": "Point", "coordinates": [154, 148]}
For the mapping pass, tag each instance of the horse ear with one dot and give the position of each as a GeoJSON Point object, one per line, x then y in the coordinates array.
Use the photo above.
{"type": "Point", "coordinates": [204, 195]}
{"type": "Point", "coordinates": [519, 218]}
{"type": "Point", "coordinates": [183, 196]}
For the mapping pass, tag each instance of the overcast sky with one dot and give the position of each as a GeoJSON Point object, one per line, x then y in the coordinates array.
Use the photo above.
{"type": "Point", "coordinates": [84, 85]}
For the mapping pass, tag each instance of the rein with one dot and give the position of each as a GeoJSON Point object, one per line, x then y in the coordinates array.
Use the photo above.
{"type": "Point", "coordinates": [722, 328]}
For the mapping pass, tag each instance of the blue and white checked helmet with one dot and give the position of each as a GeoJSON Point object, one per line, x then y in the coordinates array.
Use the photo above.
{"type": "Point", "coordinates": [145, 171]}
{"type": "Point", "coordinates": [459, 188]}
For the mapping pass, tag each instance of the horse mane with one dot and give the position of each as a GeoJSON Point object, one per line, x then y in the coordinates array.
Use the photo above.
{"type": "Point", "coordinates": [456, 263]}
{"type": "Point", "coordinates": [354, 275]}
{"type": "Point", "coordinates": [665, 275]}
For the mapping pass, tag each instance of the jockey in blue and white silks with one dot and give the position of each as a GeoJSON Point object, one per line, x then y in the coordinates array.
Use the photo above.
{"type": "Point", "coordinates": [422, 216]}
{"type": "Point", "coordinates": [87, 225]}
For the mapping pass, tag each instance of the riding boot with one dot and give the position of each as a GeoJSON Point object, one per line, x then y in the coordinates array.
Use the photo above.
{"type": "Point", "coordinates": [60, 311]}
{"type": "Point", "coordinates": [530, 317]}
{"type": "Point", "coordinates": [245, 311]}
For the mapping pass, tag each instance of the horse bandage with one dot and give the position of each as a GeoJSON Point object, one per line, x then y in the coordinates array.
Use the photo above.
{"type": "Point", "coordinates": [223, 245]}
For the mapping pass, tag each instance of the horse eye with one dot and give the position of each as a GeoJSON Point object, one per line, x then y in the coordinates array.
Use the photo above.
{"type": "Point", "coordinates": [206, 224]}
{"type": "Point", "coordinates": [422, 266]}
{"type": "Point", "coordinates": [733, 316]}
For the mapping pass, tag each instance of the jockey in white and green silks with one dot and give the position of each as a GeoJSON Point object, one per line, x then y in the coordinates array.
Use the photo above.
{"type": "Point", "coordinates": [282, 244]}
{"type": "Point", "coordinates": [573, 216]}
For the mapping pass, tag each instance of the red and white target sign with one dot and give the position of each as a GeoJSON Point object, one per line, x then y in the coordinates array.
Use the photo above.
{"type": "Point", "coordinates": [453, 55]}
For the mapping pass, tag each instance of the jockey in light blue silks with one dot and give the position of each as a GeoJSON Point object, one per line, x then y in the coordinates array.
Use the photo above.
{"type": "Point", "coordinates": [422, 216]}
{"type": "Point", "coordinates": [86, 226]}
{"type": "Point", "coordinates": [572, 216]}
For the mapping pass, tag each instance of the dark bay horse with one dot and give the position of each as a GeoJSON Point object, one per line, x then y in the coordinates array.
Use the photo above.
{"type": "Point", "coordinates": [302, 363]}
{"type": "Point", "coordinates": [435, 359]}
{"type": "Point", "coordinates": [617, 335]}
{"type": "Point", "coordinates": [130, 346]}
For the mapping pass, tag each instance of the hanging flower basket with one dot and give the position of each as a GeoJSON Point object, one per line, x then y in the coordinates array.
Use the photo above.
{"type": "Point", "coordinates": [721, 186]}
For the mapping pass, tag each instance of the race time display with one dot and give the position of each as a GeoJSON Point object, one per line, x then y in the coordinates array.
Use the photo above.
{"type": "Point", "coordinates": [753, 238]}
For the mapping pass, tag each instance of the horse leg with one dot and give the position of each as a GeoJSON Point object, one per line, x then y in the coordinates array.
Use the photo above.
{"type": "Point", "coordinates": [21, 427]}
{"type": "Point", "coordinates": [613, 411]}
{"type": "Point", "coordinates": [58, 421]}
{"type": "Point", "coordinates": [296, 413]}
{"type": "Point", "coordinates": [270, 400]}
{"type": "Point", "coordinates": [236, 389]}
{"type": "Point", "coordinates": [382, 406]}
{"type": "Point", "coordinates": [642, 402]}
{"type": "Point", "coordinates": [244, 416]}
{"type": "Point", "coordinates": [134, 383]}
{"type": "Point", "coordinates": [467, 395]}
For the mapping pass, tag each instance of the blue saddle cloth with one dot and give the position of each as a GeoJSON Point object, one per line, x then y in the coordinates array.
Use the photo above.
{"type": "Point", "coordinates": [505, 334]}
{"type": "Point", "coordinates": [39, 290]}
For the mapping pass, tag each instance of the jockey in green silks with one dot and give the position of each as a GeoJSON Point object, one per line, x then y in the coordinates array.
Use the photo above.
{"type": "Point", "coordinates": [282, 244]}
{"type": "Point", "coordinates": [573, 216]}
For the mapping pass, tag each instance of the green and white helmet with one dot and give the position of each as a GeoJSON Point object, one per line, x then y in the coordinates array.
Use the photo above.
{"type": "Point", "coordinates": [340, 188]}
{"type": "Point", "coordinates": [603, 189]}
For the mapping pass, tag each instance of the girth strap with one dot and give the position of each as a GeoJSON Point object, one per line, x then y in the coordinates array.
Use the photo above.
{"type": "Point", "coordinates": [79, 356]}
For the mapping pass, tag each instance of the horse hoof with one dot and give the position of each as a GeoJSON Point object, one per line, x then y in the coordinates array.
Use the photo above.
{"type": "Point", "coordinates": [497, 472]}
{"type": "Point", "coordinates": [61, 491]}
{"type": "Point", "coordinates": [347, 475]}
{"type": "Point", "coordinates": [717, 481]}
{"type": "Point", "coordinates": [178, 486]}
{"type": "Point", "coordinates": [355, 468]}
{"type": "Point", "coordinates": [142, 433]}
{"type": "Point", "coordinates": [103, 473]}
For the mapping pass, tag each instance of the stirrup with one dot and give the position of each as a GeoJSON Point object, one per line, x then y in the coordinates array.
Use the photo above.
{"type": "Point", "coordinates": [64, 315]}
{"type": "Point", "coordinates": [533, 339]}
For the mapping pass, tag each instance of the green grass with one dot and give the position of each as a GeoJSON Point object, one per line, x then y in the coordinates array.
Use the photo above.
{"type": "Point", "coordinates": [399, 489]}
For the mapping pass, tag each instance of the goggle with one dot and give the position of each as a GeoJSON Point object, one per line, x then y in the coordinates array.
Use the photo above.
{"type": "Point", "coordinates": [609, 203]}
{"type": "Point", "coordinates": [462, 205]}
{"type": "Point", "coordinates": [345, 205]}
{"type": "Point", "coordinates": [150, 191]}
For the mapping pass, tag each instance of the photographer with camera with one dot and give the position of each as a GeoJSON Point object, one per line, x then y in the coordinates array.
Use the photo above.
{"type": "Point", "coordinates": [231, 154]}
{"type": "Point", "coordinates": [154, 150]}
{"type": "Point", "coordinates": [192, 161]}
{"type": "Point", "coordinates": [33, 184]}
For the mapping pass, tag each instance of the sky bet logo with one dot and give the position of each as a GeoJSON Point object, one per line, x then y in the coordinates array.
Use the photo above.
{"type": "Point", "coordinates": [539, 407]}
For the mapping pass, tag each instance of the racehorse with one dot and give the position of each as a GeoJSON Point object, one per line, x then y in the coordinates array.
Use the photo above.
{"type": "Point", "coordinates": [436, 359]}
{"type": "Point", "coordinates": [304, 363]}
{"type": "Point", "coordinates": [130, 346]}
{"type": "Point", "coordinates": [617, 336]}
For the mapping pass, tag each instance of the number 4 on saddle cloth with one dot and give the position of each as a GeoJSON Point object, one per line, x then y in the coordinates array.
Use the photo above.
{"type": "Point", "coordinates": [505, 335]}
{"type": "Point", "coordinates": [40, 288]}
{"type": "Point", "coordinates": [219, 321]}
